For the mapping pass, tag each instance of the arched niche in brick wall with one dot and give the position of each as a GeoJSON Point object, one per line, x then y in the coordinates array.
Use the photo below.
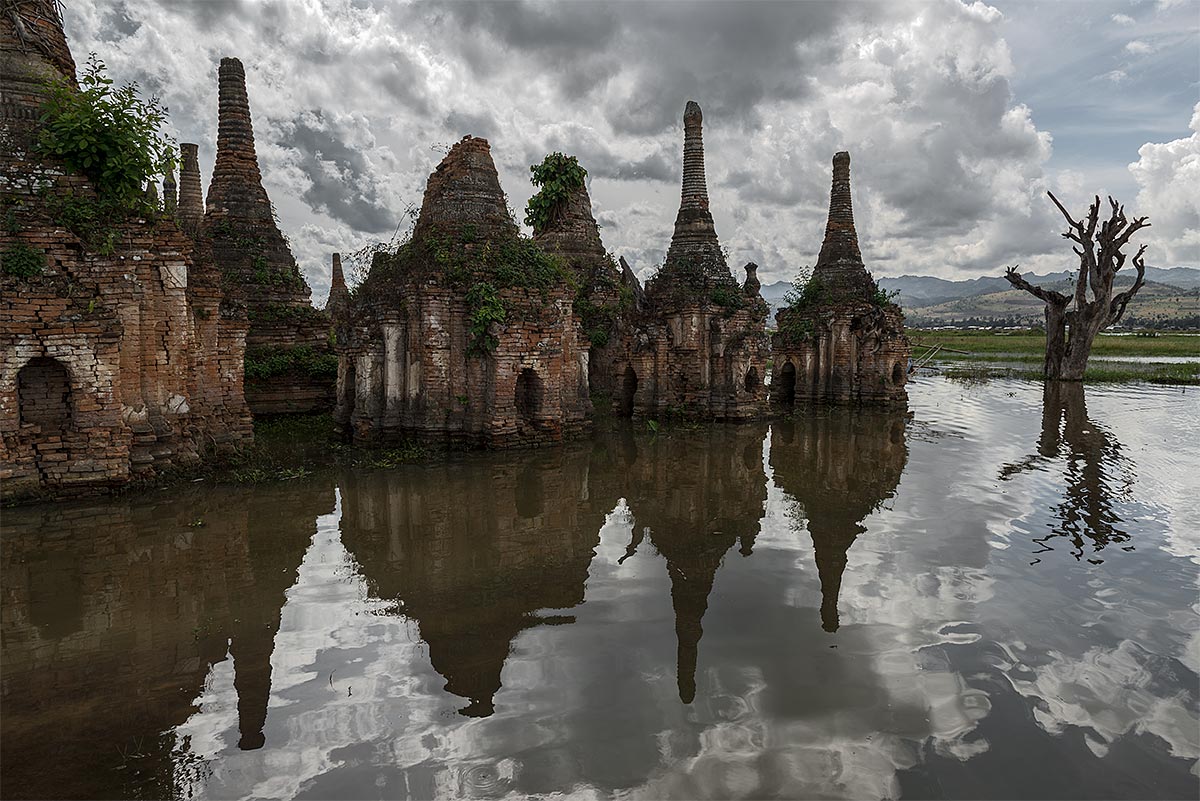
{"type": "Point", "coordinates": [44, 395]}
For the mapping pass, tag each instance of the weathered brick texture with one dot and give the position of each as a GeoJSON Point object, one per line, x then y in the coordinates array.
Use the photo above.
{"type": "Point", "coordinates": [407, 365]}
{"type": "Point", "coordinates": [120, 328]}
{"type": "Point", "coordinates": [697, 345]}
{"type": "Point", "coordinates": [240, 237]}
{"type": "Point", "coordinates": [845, 346]}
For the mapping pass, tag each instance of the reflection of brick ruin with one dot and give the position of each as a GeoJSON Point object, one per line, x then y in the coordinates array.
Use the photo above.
{"type": "Point", "coordinates": [840, 342]}
{"type": "Point", "coordinates": [128, 606]}
{"type": "Point", "coordinates": [475, 575]}
{"type": "Point", "coordinates": [697, 500]}
{"type": "Point", "coordinates": [699, 346]}
{"type": "Point", "coordinates": [416, 360]}
{"type": "Point", "coordinates": [119, 358]}
{"type": "Point", "coordinates": [839, 468]}
{"type": "Point", "coordinates": [240, 236]}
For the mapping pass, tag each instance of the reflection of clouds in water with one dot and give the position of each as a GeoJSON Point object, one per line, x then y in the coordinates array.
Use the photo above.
{"type": "Point", "coordinates": [1113, 692]}
{"type": "Point", "coordinates": [930, 574]}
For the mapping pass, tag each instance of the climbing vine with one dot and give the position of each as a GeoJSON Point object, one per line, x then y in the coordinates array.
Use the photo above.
{"type": "Point", "coordinates": [557, 176]}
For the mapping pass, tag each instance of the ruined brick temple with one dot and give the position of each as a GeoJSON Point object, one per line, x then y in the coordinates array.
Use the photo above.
{"type": "Point", "coordinates": [466, 334]}
{"type": "Point", "coordinates": [573, 235]}
{"type": "Point", "coordinates": [698, 345]}
{"type": "Point", "coordinates": [841, 340]}
{"type": "Point", "coordinates": [290, 362]}
{"type": "Point", "coordinates": [118, 355]}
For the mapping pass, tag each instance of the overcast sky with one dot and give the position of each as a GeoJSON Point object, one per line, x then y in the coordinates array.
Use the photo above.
{"type": "Point", "coordinates": [958, 116]}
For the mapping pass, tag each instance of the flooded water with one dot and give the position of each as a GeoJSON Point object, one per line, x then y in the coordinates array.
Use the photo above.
{"type": "Point", "coordinates": [993, 595]}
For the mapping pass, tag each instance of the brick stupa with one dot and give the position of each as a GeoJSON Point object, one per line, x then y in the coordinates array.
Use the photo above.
{"type": "Point", "coordinates": [240, 236]}
{"type": "Point", "coordinates": [842, 341]}
{"type": "Point", "coordinates": [414, 362]}
{"type": "Point", "coordinates": [573, 235]}
{"type": "Point", "coordinates": [113, 363]}
{"type": "Point", "coordinates": [697, 347]}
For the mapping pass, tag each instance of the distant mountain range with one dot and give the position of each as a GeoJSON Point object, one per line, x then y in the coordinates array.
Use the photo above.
{"type": "Point", "coordinates": [1170, 299]}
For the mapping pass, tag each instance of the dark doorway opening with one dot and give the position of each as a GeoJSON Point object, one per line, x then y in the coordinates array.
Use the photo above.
{"type": "Point", "coordinates": [529, 395]}
{"type": "Point", "coordinates": [752, 381]}
{"type": "Point", "coordinates": [629, 385]}
{"type": "Point", "coordinates": [785, 392]}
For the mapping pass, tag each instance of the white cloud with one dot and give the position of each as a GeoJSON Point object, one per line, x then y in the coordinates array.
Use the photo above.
{"type": "Point", "coordinates": [1167, 175]}
{"type": "Point", "coordinates": [1122, 19]}
{"type": "Point", "coordinates": [1139, 48]}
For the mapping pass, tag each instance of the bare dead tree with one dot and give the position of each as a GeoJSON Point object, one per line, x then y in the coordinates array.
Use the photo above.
{"type": "Point", "coordinates": [1073, 322]}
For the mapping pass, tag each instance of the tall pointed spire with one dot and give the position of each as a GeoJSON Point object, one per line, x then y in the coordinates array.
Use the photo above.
{"type": "Point", "coordinates": [339, 295]}
{"type": "Point", "coordinates": [840, 265]}
{"type": "Point", "coordinates": [191, 196]}
{"type": "Point", "coordinates": [237, 182]}
{"type": "Point", "coordinates": [695, 259]}
{"type": "Point", "coordinates": [694, 243]}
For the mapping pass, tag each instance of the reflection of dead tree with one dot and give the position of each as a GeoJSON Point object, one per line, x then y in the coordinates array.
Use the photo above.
{"type": "Point", "coordinates": [1072, 323]}
{"type": "Point", "coordinates": [1090, 454]}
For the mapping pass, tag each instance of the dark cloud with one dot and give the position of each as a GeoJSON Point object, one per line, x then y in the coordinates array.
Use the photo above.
{"type": "Point", "coordinates": [342, 184]}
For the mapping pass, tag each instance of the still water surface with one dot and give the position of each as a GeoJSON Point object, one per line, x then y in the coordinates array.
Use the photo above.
{"type": "Point", "coordinates": [992, 595]}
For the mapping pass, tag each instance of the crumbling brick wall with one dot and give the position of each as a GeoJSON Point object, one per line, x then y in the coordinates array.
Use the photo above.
{"type": "Point", "coordinates": [114, 319]}
{"type": "Point", "coordinates": [410, 363]}
{"type": "Point", "coordinates": [241, 238]}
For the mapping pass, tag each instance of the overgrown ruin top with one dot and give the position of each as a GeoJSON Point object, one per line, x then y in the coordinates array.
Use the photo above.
{"type": "Point", "coordinates": [464, 237]}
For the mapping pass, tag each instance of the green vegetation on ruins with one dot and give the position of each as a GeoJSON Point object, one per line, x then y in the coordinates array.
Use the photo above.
{"type": "Point", "coordinates": [807, 293]}
{"type": "Point", "coordinates": [22, 261]}
{"type": "Point", "coordinates": [481, 270]}
{"type": "Point", "coordinates": [266, 362]}
{"type": "Point", "coordinates": [557, 176]}
{"type": "Point", "coordinates": [114, 137]}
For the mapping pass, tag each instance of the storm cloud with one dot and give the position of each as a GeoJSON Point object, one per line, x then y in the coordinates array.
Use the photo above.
{"type": "Point", "coordinates": [940, 103]}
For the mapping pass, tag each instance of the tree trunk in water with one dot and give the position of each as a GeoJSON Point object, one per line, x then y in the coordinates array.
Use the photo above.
{"type": "Point", "coordinates": [1056, 340]}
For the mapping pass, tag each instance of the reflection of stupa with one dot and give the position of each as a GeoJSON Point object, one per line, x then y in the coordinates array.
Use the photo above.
{"type": "Point", "coordinates": [128, 604]}
{"type": "Point", "coordinates": [698, 496]}
{"type": "Point", "coordinates": [840, 466]}
{"type": "Point", "coordinates": [513, 537]}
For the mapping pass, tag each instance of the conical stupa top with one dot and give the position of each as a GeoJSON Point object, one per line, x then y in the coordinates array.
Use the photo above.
{"type": "Point", "coordinates": [236, 182]}
{"type": "Point", "coordinates": [465, 191]}
{"type": "Point", "coordinates": [840, 265]}
{"type": "Point", "coordinates": [190, 208]}
{"type": "Point", "coordinates": [695, 250]}
{"type": "Point", "coordinates": [33, 49]}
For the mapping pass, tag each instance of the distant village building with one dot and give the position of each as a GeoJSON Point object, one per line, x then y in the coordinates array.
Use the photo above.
{"type": "Point", "coordinates": [698, 346]}
{"type": "Point", "coordinates": [841, 340]}
{"type": "Point", "coordinates": [290, 361]}
{"type": "Point", "coordinates": [466, 334]}
{"type": "Point", "coordinates": [117, 357]}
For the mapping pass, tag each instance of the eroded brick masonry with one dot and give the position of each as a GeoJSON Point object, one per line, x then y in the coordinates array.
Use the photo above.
{"type": "Point", "coordinates": [841, 341]}
{"type": "Point", "coordinates": [117, 357]}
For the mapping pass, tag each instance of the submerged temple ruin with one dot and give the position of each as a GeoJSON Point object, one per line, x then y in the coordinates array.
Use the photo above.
{"type": "Point", "coordinates": [698, 346]}
{"type": "Point", "coordinates": [841, 339]}
{"type": "Point", "coordinates": [151, 342]}
{"type": "Point", "coordinates": [290, 362]}
{"type": "Point", "coordinates": [118, 355]}
{"type": "Point", "coordinates": [466, 334]}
